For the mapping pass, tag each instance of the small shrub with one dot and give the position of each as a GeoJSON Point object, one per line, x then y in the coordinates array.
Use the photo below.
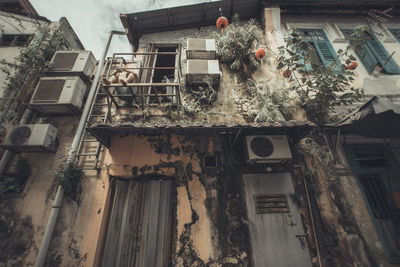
{"type": "Point", "coordinates": [70, 178]}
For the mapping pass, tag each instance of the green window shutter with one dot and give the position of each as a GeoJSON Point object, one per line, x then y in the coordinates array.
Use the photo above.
{"type": "Point", "coordinates": [364, 53]}
{"type": "Point", "coordinates": [367, 58]}
{"type": "Point", "coordinates": [382, 56]}
{"type": "Point", "coordinates": [396, 34]}
{"type": "Point", "coordinates": [327, 54]}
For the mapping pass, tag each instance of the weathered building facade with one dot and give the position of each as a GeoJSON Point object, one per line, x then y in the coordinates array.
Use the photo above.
{"type": "Point", "coordinates": [185, 170]}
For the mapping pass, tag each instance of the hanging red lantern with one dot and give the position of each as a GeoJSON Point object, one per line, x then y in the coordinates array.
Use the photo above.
{"type": "Point", "coordinates": [222, 23]}
{"type": "Point", "coordinates": [287, 73]}
{"type": "Point", "coordinates": [352, 66]}
{"type": "Point", "coordinates": [260, 53]}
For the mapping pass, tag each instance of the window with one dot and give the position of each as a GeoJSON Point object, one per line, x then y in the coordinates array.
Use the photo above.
{"type": "Point", "coordinates": [15, 39]}
{"type": "Point", "coordinates": [373, 55]}
{"type": "Point", "coordinates": [396, 34]}
{"type": "Point", "coordinates": [324, 53]}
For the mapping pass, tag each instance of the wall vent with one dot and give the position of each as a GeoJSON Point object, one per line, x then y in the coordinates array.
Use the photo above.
{"type": "Point", "coordinates": [271, 203]}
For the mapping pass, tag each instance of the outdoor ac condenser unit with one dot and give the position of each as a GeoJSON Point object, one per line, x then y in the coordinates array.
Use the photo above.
{"type": "Point", "coordinates": [31, 138]}
{"type": "Point", "coordinates": [203, 71]}
{"type": "Point", "coordinates": [267, 149]}
{"type": "Point", "coordinates": [201, 49]}
{"type": "Point", "coordinates": [77, 62]}
{"type": "Point", "coordinates": [58, 95]}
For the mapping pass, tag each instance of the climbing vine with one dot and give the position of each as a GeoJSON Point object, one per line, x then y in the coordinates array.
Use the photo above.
{"type": "Point", "coordinates": [319, 88]}
{"type": "Point", "coordinates": [30, 64]}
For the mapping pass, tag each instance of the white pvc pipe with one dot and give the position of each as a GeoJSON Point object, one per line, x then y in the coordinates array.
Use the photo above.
{"type": "Point", "coordinates": [40, 260]}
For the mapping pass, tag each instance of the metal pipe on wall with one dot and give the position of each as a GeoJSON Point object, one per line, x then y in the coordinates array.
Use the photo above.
{"type": "Point", "coordinates": [41, 257]}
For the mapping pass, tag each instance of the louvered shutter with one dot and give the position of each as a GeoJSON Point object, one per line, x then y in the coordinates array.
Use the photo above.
{"type": "Point", "coordinates": [382, 56]}
{"type": "Point", "coordinates": [364, 53]}
{"type": "Point", "coordinates": [327, 54]}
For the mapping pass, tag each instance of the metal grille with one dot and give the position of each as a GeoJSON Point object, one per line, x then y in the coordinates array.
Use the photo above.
{"type": "Point", "coordinates": [64, 61]}
{"type": "Point", "coordinates": [271, 203]}
{"type": "Point", "coordinates": [376, 193]}
{"type": "Point", "coordinates": [48, 91]}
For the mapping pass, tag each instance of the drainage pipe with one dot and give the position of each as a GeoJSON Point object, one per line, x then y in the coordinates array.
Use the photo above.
{"type": "Point", "coordinates": [41, 257]}
{"type": "Point", "coordinates": [7, 155]}
{"type": "Point", "coordinates": [310, 211]}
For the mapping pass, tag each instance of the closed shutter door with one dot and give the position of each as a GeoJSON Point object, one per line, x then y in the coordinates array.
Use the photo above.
{"type": "Point", "coordinates": [139, 231]}
{"type": "Point", "coordinates": [383, 56]}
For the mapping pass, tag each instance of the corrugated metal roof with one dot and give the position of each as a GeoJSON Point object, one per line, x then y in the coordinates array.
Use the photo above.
{"type": "Point", "coordinates": [202, 14]}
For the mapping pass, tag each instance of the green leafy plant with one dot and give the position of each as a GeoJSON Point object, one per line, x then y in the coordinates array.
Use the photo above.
{"type": "Point", "coordinates": [15, 182]}
{"type": "Point", "coordinates": [202, 94]}
{"type": "Point", "coordinates": [236, 46]}
{"type": "Point", "coordinates": [319, 88]}
{"type": "Point", "coordinates": [70, 178]}
{"type": "Point", "coordinates": [271, 106]}
{"type": "Point", "coordinates": [32, 62]}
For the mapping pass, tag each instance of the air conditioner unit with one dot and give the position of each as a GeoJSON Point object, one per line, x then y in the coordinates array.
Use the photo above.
{"type": "Point", "coordinates": [58, 95]}
{"type": "Point", "coordinates": [201, 49]}
{"type": "Point", "coordinates": [203, 71]}
{"type": "Point", "coordinates": [77, 62]}
{"type": "Point", "coordinates": [267, 149]}
{"type": "Point", "coordinates": [31, 138]}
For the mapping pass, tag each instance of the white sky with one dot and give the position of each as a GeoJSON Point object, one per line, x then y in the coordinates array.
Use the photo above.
{"type": "Point", "coordinates": [92, 20]}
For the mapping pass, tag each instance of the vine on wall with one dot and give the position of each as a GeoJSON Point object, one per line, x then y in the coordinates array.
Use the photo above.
{"type": "Point", "coordinates": [31, 63]}
{"type": "Point", "coordinates": [319, 88]}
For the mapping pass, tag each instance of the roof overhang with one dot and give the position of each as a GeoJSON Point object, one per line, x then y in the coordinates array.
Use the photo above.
{"type": "Point", "coordinates": [376, 118]}
{"type": "Point", "coordinates": [205, 14]}
{"type": "Point", "coordinates": [104, 132]}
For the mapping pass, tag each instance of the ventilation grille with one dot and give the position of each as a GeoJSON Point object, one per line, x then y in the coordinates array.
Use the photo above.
{"type": "Point", "coordinates": [273, 203]}
{"type": "Point", "coordinates": [64, 61]}
{"type": "Point", "coordinates": [48, 91]}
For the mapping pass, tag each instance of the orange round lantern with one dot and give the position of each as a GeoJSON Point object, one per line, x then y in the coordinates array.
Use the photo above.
{"type": "Point", "coordinates": [287, 73]}
{"type": "Point", "coordinates": [352, 66]}
{"type": "Point", "coordinates": [222, 23]}
{"type": "Point", "coordinates": [260, 53]}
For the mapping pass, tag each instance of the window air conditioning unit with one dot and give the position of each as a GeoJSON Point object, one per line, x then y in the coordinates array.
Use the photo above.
{"type": "Point", "coordinates": [58, 95]}
{"type": "Point", "coordinates": [267, 149]}
{"type": "Point", "coordinates": [201, 49]}
{"type": "Point", "coordinates": [77, 62]}
{"type": "Point", "coordinates": [203, 71]}
{"type": "Point", "coordinates": [31, 138]}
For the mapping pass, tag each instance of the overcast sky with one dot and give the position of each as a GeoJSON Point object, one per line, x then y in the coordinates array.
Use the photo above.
{"type": "Point", "coordinates": [92, 20]}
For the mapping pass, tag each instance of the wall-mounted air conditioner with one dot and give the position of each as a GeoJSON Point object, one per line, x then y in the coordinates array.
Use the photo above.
{"type": "Point", "coordinates": [76, 62]}
{"type": "Point", "coordinates": [267, 149]}
{"type": "Point", "coordinates": [58, 95]}
{"type": "Point", "coordinates": [201, 49]}
{"type": "Point", "coordinates": [31, 138]}
{"type": "Point", "coordinates": [203, 71]}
